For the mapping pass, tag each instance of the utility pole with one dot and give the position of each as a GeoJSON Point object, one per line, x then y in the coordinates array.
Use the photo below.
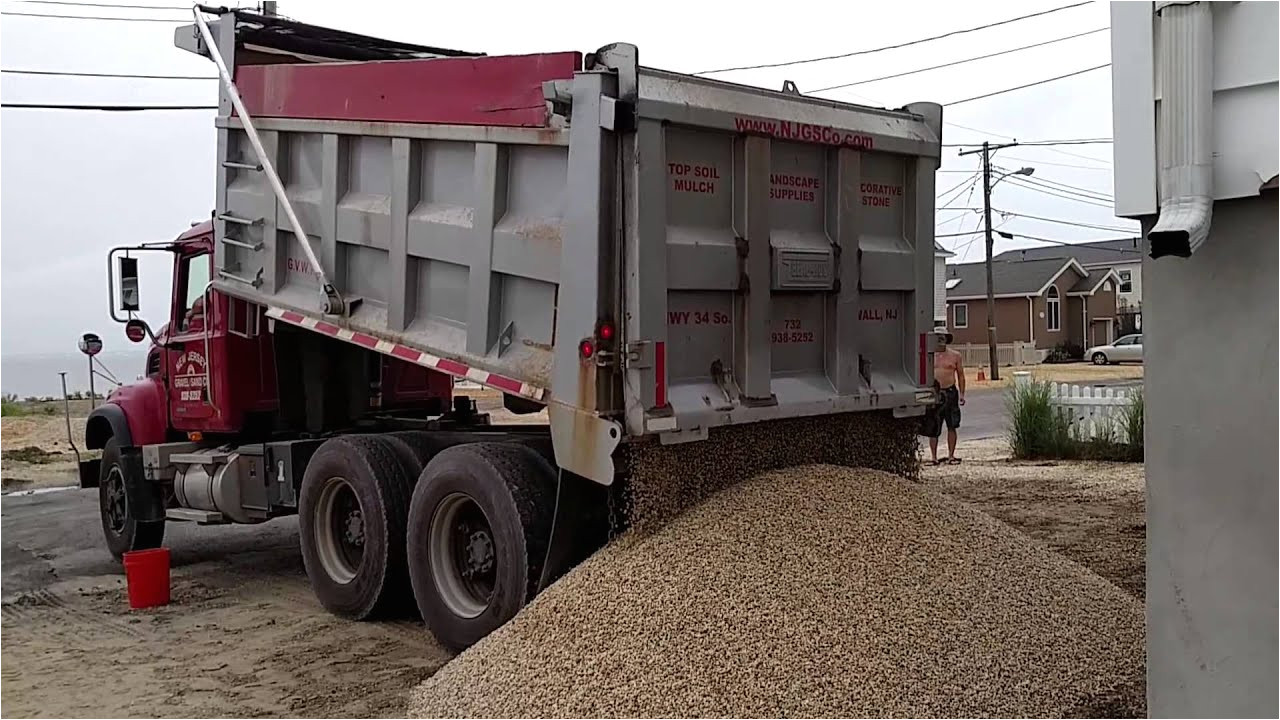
{"type": "Point", "coordinates": [987, 184]}
{"type": "Point", "coordinates": [991, 292]}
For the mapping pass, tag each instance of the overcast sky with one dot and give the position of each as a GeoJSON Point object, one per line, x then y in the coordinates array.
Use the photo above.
{"type": "Point", "coordinates": [74, 184]}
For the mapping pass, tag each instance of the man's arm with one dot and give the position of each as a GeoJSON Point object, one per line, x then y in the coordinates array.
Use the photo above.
{"type": "Point", "coordinates": [960, 374]}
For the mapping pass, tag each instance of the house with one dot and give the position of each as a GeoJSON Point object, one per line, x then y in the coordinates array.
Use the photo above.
{"type": "Point", "coordinates": [1123, 255]}
{"type": "Point", "coordinates": [940, 255]}
{"type": "Point", "coordinates": [1195, 93]}
{"type": "Point", "coordinates": [1048, 302]}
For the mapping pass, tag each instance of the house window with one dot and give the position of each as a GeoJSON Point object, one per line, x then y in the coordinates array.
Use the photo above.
{"type": "Point", "coordinates": [1053, 310]}
{"type": "Point", "coordinates": [960, 312]}
{"type": "Point", "coordinates": [1126, 281]}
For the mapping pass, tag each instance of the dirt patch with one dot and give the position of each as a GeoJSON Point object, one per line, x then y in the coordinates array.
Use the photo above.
{"type": "Point", "coordinates": [233, 643]}
{"type": "Point", "coordinates": [1092, 512]}
{"type": "Point", "coordinates": [32, 454]}
{"type": "Point", "coordinates": [1080, 372]}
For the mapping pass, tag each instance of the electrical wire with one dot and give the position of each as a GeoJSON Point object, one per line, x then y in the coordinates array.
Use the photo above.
{"type": "Point", "coordinates": [1077, 198]}
{"type": "Point", "coordinates": [1064, 243]}
{"type": "Point", "coordinates": [1055, 164]}
{"type": "Point", "coordinates": [959, 62]}
{"type": "Point", "coordinates": [105, 108]}
{"type": "Point", "coordinates": [1023, 87]}
{"type": "Point", "coordinates": [957, 186]}
{"type": "Point", "coordinates": [952, 33]}
{"type": "Point", "coordinates": [92, 17]}
{"type": "Point", "coordinates": [1061, 186]}
{"type": "Point", "coordinates": [58, 73]}
{"type": "Point", "coordinates": [183, 8]}
{"type": "Point", "coordinates": [1069, 190]}
{"type": "Point", "coordinates": [1040, 143]}
{"type": "Point", "coordinates": [1091, 226]}
{"type": "Point", "coordinates": [1010, 137]}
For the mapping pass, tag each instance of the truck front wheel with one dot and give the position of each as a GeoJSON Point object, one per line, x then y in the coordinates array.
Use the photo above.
{"type": "Point", "coordinates": [352, 509]}
{"type": "Point", "coordinates": [478, 529]}
{"type": "Point", "coordinates": [123, 531]}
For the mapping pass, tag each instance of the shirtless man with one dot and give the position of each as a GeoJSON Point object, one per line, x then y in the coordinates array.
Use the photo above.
{"type": "Point", "coordinates": [948, 378]}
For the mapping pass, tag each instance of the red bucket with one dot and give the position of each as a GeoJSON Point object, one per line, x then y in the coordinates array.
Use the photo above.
{"type": "Point", "coordinates": [147, 572]}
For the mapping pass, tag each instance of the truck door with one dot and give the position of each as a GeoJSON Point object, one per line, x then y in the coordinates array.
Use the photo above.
{"type": "Point", "coordinates": [189, 375]}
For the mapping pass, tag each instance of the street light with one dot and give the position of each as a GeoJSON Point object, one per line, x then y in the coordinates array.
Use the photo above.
{"type": "Point", "coordinates": [1019, 171]}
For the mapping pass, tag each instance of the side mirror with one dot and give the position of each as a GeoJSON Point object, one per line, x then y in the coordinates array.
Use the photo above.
{"type": "Point", "coordinates": [129, 301]}
{"type": "Point", "coordinates": [138, 330]}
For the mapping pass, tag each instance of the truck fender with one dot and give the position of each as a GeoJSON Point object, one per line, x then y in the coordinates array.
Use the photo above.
{"type": "Point", "coordinates": [105, 422]}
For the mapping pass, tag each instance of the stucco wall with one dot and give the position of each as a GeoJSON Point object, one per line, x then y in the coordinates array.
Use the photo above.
{"type": "Point", "coordinates": [1211, 466]}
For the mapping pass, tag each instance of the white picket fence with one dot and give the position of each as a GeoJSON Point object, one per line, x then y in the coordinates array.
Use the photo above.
{"type": "Point", "coordinates": [1092, 409]}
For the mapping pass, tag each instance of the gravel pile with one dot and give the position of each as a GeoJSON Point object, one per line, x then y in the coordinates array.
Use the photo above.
{"type": "Point", "coordinates": [663, 480]}
{"type": "Point", "coordinates": [816, 590]}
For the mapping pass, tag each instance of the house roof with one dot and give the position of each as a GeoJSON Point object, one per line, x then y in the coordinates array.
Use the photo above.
{"type": "Point", "coordinates": [939, 251]}
{"type": "Point", "coordinates": [1011, 279]}
{"type": "Point", "coordinates": [1090, 282]}
{"type": "Point", "coordinates": [1124, 250]}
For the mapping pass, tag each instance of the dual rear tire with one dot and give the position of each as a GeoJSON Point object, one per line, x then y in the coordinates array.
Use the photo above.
{"type": "Point", "coordinates": [463, 527]}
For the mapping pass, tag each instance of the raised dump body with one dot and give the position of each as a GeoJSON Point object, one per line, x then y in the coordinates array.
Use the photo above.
{"type": "Point", "coordinates": [644, 252]}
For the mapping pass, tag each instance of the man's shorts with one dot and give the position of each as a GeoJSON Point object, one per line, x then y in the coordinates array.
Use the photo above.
{"type": "Point", "coordinates": [946, 411]}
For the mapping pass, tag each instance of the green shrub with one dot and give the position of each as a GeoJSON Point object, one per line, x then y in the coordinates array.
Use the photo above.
{"type": "Point", "coordinates": [9, 406]}
{"type": "Point", "coordinates": [1038, 430]}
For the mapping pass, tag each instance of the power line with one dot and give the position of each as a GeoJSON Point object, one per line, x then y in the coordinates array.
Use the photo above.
{"type": "Point", "coordinates": [959, 62]}
{"type": "Point", "coordinates": [1055, 164]}
{"type": "Point", "coordinates": [105, 108]}
{"type": "Point", "coordinates": [1061, 222]}
{"type": "Point", "coordinates": [92, 17]}
{"type": "Point", "coordinates": [184, 8]}
{"type": "Point", "coordinates": [1064, 243]}
{"type": "Point", "coordinates": [1023, 87]}
{"type": "Point", "coordinates": [1065, 187]}
{"type": "Point", "coordinates": [1068, 189]}
{"type": "Point", "coordinates": [957, 186]}
{"type": "Point", "coordinates": [1010, 137]}
{"type": "Point", "coordinates": [1041, 143]}
{"type": "Point", "coordinates": [1039, 189]}
{"type": "Point", "coordinates": [58, 73]}
{"type": "Point", "coordinates": [789, 63]}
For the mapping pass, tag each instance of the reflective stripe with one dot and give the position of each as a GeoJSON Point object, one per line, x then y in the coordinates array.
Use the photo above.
{"type": "Point", "coordinates": [404, 352]}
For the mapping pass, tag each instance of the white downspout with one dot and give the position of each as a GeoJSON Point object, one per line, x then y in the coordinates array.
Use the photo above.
{"type": "Point", "coordinates": [1184, 127]}
{"type": "Point", "coordinates": [1031, 320]}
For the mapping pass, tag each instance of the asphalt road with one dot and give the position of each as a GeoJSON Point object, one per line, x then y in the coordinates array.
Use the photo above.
{"type": "Point", "coordinates": [53, 537]}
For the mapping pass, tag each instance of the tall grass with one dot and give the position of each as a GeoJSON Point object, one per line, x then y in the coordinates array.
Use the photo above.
{"type": "Point", "coordinates": [9, 406]}
{"type": "Point", "coordinates": [1038, 430]}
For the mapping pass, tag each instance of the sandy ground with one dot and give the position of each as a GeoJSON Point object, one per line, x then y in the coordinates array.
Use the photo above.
{"type": "Point", "coordinates": [48, 433]}
{"type": "Point", "coordinates": [245, 637]}
{"type": "Point", "coordinates": [1065, 372]}
{"type": "Point", "coordinates": [1094, 513]}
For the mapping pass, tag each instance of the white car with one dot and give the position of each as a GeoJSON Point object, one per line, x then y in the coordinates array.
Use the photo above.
{"type": "Point", "coordinates": [1124, 349]}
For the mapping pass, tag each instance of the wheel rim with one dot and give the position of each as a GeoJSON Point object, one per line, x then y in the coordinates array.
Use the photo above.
{"type": "Point", "coordinates": [339, 523]}
{"type": "Point", "coordinates": [464, 560]}
{"type": "Point", "coordinates": [116, 510]}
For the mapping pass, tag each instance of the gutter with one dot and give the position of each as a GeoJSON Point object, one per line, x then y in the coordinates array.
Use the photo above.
{"type": "Point", "coordinates": [1184, 141]}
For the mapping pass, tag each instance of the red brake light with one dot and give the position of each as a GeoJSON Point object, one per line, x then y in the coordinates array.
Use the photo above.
{"type": "Point", "coordinates": [586, 348]}
{"type": "Point", "coordinates": [606, 331]}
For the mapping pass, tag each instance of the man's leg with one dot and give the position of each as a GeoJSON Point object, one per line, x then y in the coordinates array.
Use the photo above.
{"type": "Point", "coordinates": [951, 443]}
{"type": "Point", "coordinates": [933, 448]}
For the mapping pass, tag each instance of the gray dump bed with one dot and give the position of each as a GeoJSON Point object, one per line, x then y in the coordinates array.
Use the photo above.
{"type": "Point", "coordinates": [760, 254]}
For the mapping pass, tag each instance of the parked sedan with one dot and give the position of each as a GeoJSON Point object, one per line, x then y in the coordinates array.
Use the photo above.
{"type": "Point", "coordinates": [1125, 349]}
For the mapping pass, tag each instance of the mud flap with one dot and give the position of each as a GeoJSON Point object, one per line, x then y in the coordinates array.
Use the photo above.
{"type": "Point", "coordinates": [580, 527]}
{"type": "Point", "coordinates": [90, 470]}
{"type": "Point", "coordinates": [144, 497]}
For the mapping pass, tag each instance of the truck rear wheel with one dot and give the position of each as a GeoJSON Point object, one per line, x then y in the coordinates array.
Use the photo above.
{"type": "Point", "coordinates": [352, 510]}
{"type": "Point", "coordinates": [478, 529]}
{"type": "Point", "coordinates": [123, 531]}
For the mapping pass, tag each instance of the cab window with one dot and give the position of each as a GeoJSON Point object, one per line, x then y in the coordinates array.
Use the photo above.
{"type": "Point", "coordinates": [195, 276]}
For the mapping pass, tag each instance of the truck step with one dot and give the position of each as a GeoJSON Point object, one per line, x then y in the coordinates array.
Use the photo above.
{"type": "Point", "coordinates": [203, 517]}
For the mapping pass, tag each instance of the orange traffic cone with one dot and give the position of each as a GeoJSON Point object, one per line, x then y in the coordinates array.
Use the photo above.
{"type": "Point", "coordinates": [982, 375]}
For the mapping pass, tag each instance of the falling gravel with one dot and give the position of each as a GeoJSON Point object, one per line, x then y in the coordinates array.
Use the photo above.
{"type": "Point", "coordinates": [817, 590]}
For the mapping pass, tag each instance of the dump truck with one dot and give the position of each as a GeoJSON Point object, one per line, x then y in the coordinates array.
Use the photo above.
{"type": "Point", "coordinates": [632, 257]}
